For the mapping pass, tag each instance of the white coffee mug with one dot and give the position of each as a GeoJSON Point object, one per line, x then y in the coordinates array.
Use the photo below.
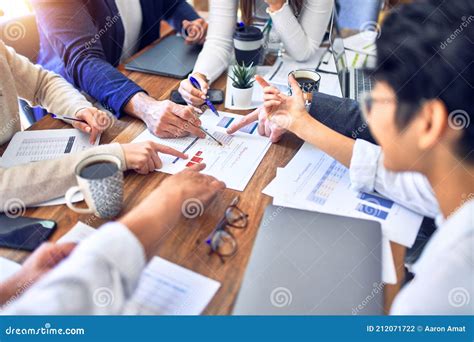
{"type": "Point", "coordinates": [103, 190]}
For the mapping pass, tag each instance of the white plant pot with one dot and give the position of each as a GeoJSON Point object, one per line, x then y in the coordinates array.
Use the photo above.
{"type": "Point", "coordinates": [242, 97]}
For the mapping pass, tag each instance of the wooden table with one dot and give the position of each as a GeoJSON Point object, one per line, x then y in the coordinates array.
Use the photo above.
{"type": "Point", "coordinates": [183, 245]}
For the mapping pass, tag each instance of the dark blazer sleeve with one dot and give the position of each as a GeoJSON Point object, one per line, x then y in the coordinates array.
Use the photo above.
{"type": "Point", "coordinates": [74, 37]}
{"type": "Point", "coordinates": [178, 10]}
{"type": "Point", "coordinates": [341, 114]}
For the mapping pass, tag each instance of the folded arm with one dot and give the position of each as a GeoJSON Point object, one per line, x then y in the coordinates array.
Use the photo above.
{"type": "Point", "coordinates": [302, 36]}
{"type": "Point", "coordinates": [219, 47]}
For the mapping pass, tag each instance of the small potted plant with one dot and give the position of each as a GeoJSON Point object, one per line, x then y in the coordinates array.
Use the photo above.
{"type": "Point", "coordinates": [242, 78]}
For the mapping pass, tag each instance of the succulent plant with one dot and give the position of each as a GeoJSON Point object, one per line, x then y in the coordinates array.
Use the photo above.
{"type": "Point", "coordinates": [243, 76]}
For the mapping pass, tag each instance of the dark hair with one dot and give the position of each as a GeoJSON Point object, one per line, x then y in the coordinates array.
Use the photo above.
{"type": "Point", "coordinates": [426, 51]}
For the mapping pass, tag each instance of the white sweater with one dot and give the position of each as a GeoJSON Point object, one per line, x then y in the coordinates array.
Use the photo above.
{"type": "Point", "coordinates": [300, 36]}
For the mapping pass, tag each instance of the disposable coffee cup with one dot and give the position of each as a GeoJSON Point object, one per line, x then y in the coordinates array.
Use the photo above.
{"type": "Point", "coordinates": [248, 44]}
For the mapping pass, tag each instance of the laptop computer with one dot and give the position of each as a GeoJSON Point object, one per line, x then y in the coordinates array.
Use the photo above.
{"type": "Point", "coordinates": [354, 82]}
{"type": "Point", "coordinates": [309, 263]}
{"type": "Point", "coordinates": [171, 57]}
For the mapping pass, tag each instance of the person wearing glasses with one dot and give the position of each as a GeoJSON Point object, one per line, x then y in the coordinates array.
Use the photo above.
{"type": "Point", "coordinates": [420, 112]}
{"type": "Point", "coordinates": [85, 41]}
{"type": "Point", "coordinates": [44, 180]}
{"type": "Point", "coordinates": [300, 25]}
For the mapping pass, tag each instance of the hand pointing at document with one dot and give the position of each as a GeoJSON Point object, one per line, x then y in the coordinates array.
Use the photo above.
{"type": "Point", "coordinates": [266, 127]}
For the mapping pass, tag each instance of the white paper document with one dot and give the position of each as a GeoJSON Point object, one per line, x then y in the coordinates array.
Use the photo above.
{"type": "Point", "coordinates": [363, 42]}
{"type": "Point", "coordinates": [79, 232]}
{"type": "Point", "coordinates": [7, 268]}
{"type": "Point", "coordinates": [312, 180]}
{"type": "Point", "coordinates": [233, 163]}
{"type": "Point", "coordinates": [169, 289]}
{"type": "Point", "coordinates": [164, 288]}
{"type": "Point", "coordinates": [32, 146]}
{"type": "Point", "coordinates": [284, 65]}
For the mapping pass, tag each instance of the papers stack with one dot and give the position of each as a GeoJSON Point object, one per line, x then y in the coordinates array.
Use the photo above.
{"type": "Point", "coordinates": [314, 181]}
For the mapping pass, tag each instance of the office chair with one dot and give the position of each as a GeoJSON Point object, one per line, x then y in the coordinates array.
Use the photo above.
{"type": "Point", "coordinates": [22, 34]}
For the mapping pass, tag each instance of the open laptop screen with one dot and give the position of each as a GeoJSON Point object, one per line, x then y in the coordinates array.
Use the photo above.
{"type": "Point", "coordinates": [338, 51]}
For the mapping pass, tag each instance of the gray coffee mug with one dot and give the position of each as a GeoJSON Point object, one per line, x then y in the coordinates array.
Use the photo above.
{"type": "Point", "coordinates": [100, 180]}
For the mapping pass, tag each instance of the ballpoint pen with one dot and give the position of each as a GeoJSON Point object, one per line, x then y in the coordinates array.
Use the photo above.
{"type": "Point", "coordinates": [61, 117]}
{"type": "Point", "coordinates": [210, 136]}
{"type": "Point", "coordinates": [196, 85]}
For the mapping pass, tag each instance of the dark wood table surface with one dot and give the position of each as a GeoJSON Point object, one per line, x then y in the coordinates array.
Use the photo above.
{"type": "Point", "coordinates": [183, 245]}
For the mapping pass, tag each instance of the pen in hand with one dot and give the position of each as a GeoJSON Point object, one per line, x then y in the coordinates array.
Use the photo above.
{"type": "Point", "coordinates": [195, 84]}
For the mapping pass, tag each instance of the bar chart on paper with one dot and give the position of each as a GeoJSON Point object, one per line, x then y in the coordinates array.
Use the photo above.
{"type": "Point", "coordinates": [233, 163]}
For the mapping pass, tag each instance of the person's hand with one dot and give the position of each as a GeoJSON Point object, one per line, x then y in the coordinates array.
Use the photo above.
{"type": "Point", "coordinates": [143, 157]}
{"type": "Point", "coordinates": [196, 31]}
{"type": "Point", "coordinates": [165, 119]}
{"type": "Point", "coordinates": [266, 127]}
{"type": "Point", "coordinates": [183, 194]}
{"type": "Point", "coordinates": [191, 95]}
{"type": "Point", "coordinates": [40, 262]}
{"type": "Point", "coordinates": [96, 122]}
{"type": "Point", "coordinates": [275, 5]}
{"type": "Point", "coordinates": [285, 111]}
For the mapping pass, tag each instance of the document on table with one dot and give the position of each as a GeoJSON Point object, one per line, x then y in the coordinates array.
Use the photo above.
{"type": "Point", "coordinates": [79, 232]}
{"type": "Point", "coordinates": [284, 65]}
{"type": "Point", "coordinates": [164, 288]}
{"type": "Point", "coordinates": [363, 42]}
{"type": "Point", "coordinates": [169, 289]}
{"type": "Point", "coordinates": [32, 146]}
{"type": "Point", "coordinates": [234, 163]}
{"type": "Point", "coordinates": [7, 268]}
{"type": "Point", "coordinates": [312, 180]}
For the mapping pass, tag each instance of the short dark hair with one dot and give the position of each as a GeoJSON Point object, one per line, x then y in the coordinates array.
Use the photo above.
{"type": "Point", "coordinates": [426, 51]}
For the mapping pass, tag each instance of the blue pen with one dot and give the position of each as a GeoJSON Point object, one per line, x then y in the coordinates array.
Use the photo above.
{"type": "Point", "coordinates": [196, 85]}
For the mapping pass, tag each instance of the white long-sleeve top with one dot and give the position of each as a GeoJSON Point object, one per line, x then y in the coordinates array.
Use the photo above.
{"type": "Point", "coordinates": [409, 189]}
{"type": "Point", "coordinates": [300, 36]}
{"type": "Point", "coordinates": [98, 278]}
{"type": "Point", "coordinates": [444, 274]}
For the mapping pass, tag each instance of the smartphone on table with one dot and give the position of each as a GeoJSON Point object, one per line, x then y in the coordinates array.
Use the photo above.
{"type": "Point", "coordinates": [25, 233]}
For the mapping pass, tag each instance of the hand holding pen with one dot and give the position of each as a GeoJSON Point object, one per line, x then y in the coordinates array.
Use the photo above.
{"type": "Point", "coordinates": [89, 120]}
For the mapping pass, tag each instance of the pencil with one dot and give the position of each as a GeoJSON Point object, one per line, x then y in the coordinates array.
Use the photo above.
{"type": "Point", "coordinates": [211, 136]}
{"type": "Point", "coordinates": [59, 117]}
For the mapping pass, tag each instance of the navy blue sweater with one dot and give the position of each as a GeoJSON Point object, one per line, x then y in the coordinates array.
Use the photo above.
{"type": "Point", "coordinates": [82, 40]}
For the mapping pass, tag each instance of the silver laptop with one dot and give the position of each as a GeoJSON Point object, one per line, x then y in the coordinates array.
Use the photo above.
{"type": "Point", "coordinates": [308, 263]}
{"type": "Point", "coordinates": [171, 57]}
{"type": "Point", "coordinates": [354, 82]}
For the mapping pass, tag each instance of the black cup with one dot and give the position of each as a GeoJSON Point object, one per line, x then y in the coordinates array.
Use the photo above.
{"type": "Point", "coordinates": [248, 43]}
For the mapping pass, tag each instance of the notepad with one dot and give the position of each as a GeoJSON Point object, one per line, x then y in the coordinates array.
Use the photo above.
{"type": "Point", "coordinates": [33, 146]}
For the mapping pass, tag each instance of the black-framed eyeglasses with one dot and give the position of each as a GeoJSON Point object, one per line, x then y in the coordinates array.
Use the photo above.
{"type": "Point", "coordinates": [366, 103]}
{"type": "Point", "coordinates": [221, 240]}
